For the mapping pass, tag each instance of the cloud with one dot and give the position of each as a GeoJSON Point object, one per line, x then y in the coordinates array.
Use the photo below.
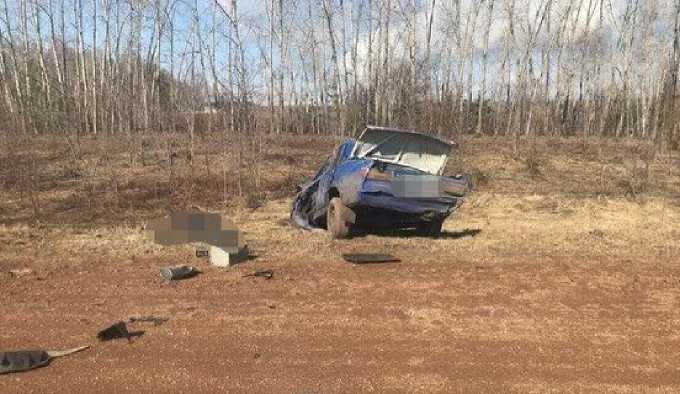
{"type": "Point", "coordinates": [582, 30]}
{"type": "Point", "coordinates": [583, 33]}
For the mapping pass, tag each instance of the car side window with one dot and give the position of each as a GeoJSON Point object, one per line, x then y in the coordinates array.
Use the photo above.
{"type": "Point", "coordinates": [343, 151]}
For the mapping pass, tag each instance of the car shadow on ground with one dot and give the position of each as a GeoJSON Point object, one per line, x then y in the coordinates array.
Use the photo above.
{"type": "Point", "coordinates": [411, 233]}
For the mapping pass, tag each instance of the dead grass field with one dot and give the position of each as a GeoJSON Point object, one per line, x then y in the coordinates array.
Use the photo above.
{"type": "Point", "coordinates": [560, 273]}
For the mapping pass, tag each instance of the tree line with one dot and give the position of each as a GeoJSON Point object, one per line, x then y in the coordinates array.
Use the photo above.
{"type": "Point", "coordinates": [497, 67]}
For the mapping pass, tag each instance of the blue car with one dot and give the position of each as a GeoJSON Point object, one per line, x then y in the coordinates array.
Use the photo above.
{"type": "Point", "coordinates": [385, 178]}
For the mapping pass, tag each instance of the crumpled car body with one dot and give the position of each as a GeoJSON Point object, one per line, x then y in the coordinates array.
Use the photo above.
{"type": "Point", "coordinates": [385, 178]}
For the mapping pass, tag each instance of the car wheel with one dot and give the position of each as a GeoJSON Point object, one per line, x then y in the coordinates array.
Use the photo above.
{"type": "Point", "coordinates": [431, 229]}
{"type": "Point", "coordinates": [336, 223]}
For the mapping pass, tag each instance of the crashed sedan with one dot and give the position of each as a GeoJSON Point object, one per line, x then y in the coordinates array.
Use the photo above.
{"type": "Point", "coordinates": [385, 178]}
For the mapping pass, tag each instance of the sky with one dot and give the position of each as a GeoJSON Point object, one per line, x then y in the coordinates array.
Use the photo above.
{"type": "Point", "coordinates": [611, 23]}
{"type": "Point", "coordinates": [605, 20]}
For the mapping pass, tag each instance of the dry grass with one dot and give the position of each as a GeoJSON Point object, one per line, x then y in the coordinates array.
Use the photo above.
{"type": "Point", "coordinates": [560, 198]}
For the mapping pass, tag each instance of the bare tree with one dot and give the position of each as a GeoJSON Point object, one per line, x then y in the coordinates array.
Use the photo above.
{"type": "Point", "coordinates": [573, 67]}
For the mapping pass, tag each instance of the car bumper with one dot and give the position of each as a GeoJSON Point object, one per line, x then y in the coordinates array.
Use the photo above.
{"type": "Point", "coordinates": [379, 195]}
{"type": "Point", "coordinates": [436, 208]}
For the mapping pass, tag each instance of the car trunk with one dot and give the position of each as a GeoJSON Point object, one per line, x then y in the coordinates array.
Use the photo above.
{"type": "Point", "coordinates": [406, 182]}
{"type": "Point", "coordinates": [405, 148]}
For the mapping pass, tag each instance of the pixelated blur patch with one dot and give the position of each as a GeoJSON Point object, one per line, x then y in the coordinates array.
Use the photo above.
{"type": "Point", "coordinates": [416, 186]}
{"type": "Point", "coordinates": [186, 227]}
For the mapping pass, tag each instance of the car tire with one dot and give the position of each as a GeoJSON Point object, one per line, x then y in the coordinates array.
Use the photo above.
{"type": "Point", "coordinates": [336, 223]}
{"type": "Point", "coordinates": [430, 229]}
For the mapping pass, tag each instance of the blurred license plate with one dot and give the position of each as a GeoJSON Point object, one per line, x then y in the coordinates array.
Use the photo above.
{"type": "Point", "coordinates": [416, 186]}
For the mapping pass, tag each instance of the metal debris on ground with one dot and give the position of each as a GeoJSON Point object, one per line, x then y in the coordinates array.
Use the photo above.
{"type": "Point", "coordinates": [118, 331]}
{"type": "Point", "coordinates": [369, 258]}
{"type": "Point", "coordinates": [178, 272]}
{"type": "Point", "coordinates": [267, 274]}
{"type": "Point", "coordinates": [24, 360]}
{"type": "Point", "coordinates": [157, 321]}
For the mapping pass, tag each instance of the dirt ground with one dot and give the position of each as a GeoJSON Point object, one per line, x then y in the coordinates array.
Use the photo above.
{"type": "Point", "coordinates": [535, 286]}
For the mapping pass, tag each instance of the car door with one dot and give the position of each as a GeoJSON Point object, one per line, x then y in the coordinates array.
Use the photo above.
{"type": "Point", "coordinates": [326, 180]}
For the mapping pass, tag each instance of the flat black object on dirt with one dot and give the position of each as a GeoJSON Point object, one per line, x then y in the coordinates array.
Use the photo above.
{"type": "Point", "coordinates": [369, 258]}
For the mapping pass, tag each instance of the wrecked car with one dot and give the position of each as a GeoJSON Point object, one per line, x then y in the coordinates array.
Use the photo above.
{"type": "Point", "coordinates": [385, 178]}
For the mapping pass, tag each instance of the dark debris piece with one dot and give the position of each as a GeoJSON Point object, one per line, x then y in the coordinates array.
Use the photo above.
{"type": "Point", "coordinates": [118, 331]}
{"type": "Point", "coordinates": [267, 274]}
{"type": "Point", "coordinates": [22, 360]}
{"type": "Point", "coordinates": [369, 258]}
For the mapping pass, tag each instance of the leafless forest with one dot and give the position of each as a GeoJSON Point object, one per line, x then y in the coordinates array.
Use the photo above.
{"type": "Point", "coordinates": [511, 67]}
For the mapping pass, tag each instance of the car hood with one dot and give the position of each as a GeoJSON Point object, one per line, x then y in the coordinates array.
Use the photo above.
{"type": "Point", "coordinates": [403, 147]}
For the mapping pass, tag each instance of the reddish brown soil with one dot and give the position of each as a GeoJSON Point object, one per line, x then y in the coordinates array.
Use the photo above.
{"type": "Point", "coordinates": [498, 325]}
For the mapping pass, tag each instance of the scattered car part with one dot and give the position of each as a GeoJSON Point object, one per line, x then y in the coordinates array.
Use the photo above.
{"type": "Point", "coordinates": [118, 330]}
{"type": "Point", "coordinates": [267, 274]}
{"type": "Point", "coordinates": [369, 258]}
{"type": "Point", "coordinates": [384, 178]}
{"type": "Point", "coordinates": [225, 257]}
{"type": "Point", "coordinates": [24, 360]}
{"type": "Point", "coordinates": [178, 272]}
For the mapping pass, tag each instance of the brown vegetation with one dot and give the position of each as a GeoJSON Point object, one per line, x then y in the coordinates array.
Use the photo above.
{"type": "Point", "coordinates": [116, 181]}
